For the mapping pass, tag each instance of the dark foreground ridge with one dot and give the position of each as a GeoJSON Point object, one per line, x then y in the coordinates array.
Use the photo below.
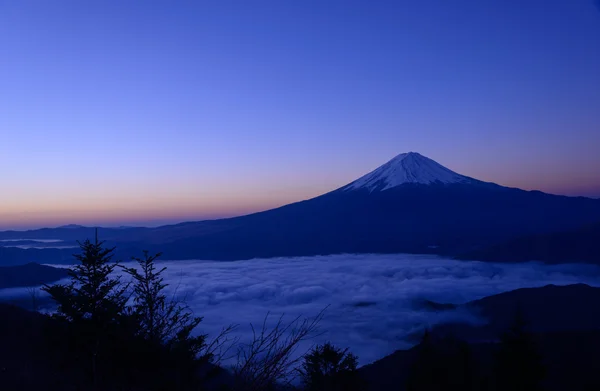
{"type": "Point", "coordinates": [557, 328]}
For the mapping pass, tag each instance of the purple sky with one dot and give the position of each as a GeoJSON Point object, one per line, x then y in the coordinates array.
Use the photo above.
{"type": "Point", "coordinates": [122, 112]}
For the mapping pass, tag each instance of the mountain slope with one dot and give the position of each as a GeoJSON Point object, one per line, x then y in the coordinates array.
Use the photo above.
{"type": "Point", "coordinates": [545, 309]}
{"type": "Point", "coordinates": [582, 244]}
{"type": "Point", "coordinates": [563, 321]}
{"type": "Point", "coordinates": [31, 274]}
{"type": "Point", "coordinates": [410, 204]}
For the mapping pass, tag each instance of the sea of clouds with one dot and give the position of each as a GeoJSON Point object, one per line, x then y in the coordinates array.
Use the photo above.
{"type": "Point", "coordinates": [372, 302]}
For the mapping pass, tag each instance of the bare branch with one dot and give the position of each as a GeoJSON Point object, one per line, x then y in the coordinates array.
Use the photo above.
{"type": "Point", "coordinates": [220, 347]}
{"type": "Point", "coordinates": [271, 357]}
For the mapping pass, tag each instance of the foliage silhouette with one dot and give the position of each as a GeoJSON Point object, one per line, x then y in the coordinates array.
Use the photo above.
{"type": "Point", "coordinates": [328, 368]}
{"type": "Point", "coordinates": [93, 309]}
{"type": "Point", "coordinates": [112, 345]}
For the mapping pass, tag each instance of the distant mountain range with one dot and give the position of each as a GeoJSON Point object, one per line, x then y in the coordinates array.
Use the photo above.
{"type": "Point", "coordinates": [410, 204]}
{"type": "Point", "coordinates": [31, 274]}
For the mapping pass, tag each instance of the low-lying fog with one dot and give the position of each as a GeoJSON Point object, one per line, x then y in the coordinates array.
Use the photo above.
{"type": "Point", "coordinates": [372, 300]}
{"type": "Point", "coordinates": [36, 243]}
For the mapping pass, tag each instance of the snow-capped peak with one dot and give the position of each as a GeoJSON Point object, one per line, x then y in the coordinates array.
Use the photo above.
{"type": "Point", "coordinates": [407, 168]}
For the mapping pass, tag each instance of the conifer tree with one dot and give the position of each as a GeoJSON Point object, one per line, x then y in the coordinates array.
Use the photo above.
{"type": "Point", "coordinates": [160, 320]}
{"type": "Point", "coordinates": [92, 294]}
{"type": "Point", "coordinates": [328, 368]}
{"type": "Point", "coordinates": [172, 355]}
{"type": "Point", "coordinates": [93, 308]}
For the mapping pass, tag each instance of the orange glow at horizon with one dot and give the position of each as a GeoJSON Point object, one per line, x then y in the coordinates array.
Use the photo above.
{"type": "Point", "coordinates": [153, 211]}
{"type": "Point", "coordinates": [133, 210]}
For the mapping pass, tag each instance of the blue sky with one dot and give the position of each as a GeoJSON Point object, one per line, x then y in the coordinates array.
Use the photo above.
{"type": "Point", "coordinates": [153, 111]}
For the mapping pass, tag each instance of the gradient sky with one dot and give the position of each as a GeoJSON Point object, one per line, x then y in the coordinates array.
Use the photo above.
{"type": "Point", "coordinates": [123, 112]}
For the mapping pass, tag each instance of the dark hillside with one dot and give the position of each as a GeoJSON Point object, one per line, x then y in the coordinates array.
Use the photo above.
{"type": "Point", "coordinates": [580, 245]}
{"type": "Point", "coordinates": [31, 274]}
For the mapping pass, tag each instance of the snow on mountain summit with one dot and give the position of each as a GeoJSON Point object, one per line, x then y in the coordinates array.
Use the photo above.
{"type": "Point", "coordinates": [407, 168]}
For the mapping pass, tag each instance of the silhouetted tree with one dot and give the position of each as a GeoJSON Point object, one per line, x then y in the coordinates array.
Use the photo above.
{"type": "Point", "coordinates": [104, 344]}
{"type": "Point", "coordinates": [34, 296]}
{"type": "Point", "coordinates": [160, 319]}
{"type": "Point", "coordinates": [518, 366]}
{"type": "Point", "coordinates": [93, 307]}
{"type": "Point", "coordinates": [172, 356]}
{"type": "Point", "coordinates": [328, 368]}
{"type": "Point", "coordinates": [93, 294]}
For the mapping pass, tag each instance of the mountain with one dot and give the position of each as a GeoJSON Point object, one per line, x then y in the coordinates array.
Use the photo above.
{"type": "Point", "coordinates": [582, 244]}
{"type": "Point", "coordinates": [410, 204]}
{"type": "Point", "coordinates": [67, 233]}
{"type": "Point", "coordinates": [31, 274]}
{"type": "Point", "coordinates": [408, 168]}
{"type": "Point", "coordinates": [570, 360]}
{"type": "Point", "coordinates": [545, 309]}
{"type": "Point", "coordinates": [15, 256]}
{"type": "Point", "coordinates": [71, 226]}
{"type": "Point", "coordinates": [563, 321]}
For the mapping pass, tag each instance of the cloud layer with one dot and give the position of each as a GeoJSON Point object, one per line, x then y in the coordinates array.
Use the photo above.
{"type": "Point", "coordinates": [370, 299]}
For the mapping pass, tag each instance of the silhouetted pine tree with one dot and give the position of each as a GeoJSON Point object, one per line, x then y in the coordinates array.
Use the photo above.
{"type": "Point", "coordinates": [518, 366]}
{"type": "Point", "coordinates": [327, 368]}
{"type": "Point", "coordinates": [172, 356]}
{"type": "Point", "coordinates": [92, 308]}
{"type": "Point", "coordinates": [103, 344]}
